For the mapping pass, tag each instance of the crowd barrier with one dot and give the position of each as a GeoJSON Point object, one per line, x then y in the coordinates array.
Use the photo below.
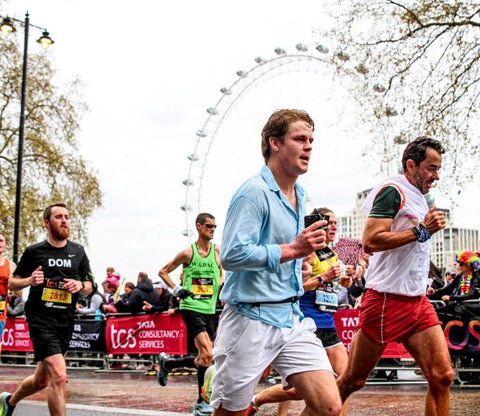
{"type": "Point", "coordinates": [150, 334]}
{"type": "Point", "coordinates": [115, 334]}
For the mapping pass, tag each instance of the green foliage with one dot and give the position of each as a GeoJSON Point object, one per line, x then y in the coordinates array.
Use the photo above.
{"type": "Point", "coordinates": [421, 60]}
{"type": "Point", "coordinates": [53, 169]}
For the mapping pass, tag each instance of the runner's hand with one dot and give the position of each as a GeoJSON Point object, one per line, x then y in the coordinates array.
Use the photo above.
{"type": "Point", "coordinates": [333, 272]}
{"type": "Point", "coordinates": [306, 268]}
{"type": "Point", "coordinates": [181, 292]}
{"type": "Point", "coordinates": [37, 277]}
{"type": "Point", "coordinates": [310, 239]}
{"type": "Point", "coordinates": [434, 220]}
{"type": "Point", "coordinates": [72, 285]}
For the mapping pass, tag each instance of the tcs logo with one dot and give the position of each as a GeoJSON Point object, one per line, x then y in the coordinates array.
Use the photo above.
{"type": "Point", "coordinates": [122, 338]}
{"type": "Point", "coordinates": [8, 339]}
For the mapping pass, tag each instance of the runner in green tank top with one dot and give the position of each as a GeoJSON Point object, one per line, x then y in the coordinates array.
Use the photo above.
{"type": "Point", "coordinates": [202, 279]}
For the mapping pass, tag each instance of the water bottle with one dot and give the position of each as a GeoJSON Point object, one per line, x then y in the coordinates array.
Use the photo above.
{"type": "Point", "coordinates": [270, 381]}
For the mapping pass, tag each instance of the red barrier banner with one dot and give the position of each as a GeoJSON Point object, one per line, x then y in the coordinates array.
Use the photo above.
{"type": "Point", "coordinates": [146, 334]}
{"type": "Point", "coordinates": [346, 321]}
{"type": "Point", "coordinates": [16, 336]}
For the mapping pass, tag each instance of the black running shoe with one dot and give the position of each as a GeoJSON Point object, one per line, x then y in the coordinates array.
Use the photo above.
{"type": "Point", "coordinates": [162, 374]}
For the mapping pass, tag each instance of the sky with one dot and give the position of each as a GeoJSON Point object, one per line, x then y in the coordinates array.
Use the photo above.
{"type": "Point", "coordinates": [151, 69]}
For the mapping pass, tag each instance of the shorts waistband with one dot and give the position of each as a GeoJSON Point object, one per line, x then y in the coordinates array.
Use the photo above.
{"type": "Point", "coordinates": [394, 296]}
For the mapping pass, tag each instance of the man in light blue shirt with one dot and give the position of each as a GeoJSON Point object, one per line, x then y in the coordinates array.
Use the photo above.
{"type": "Point", "coordinates": [264, 242]}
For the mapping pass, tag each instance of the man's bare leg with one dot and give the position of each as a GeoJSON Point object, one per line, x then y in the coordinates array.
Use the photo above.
{"type": "Point", "coordinates": [57, 374]}
{"type": "Point", "coordinates": [283, 408]}
{"type": "Point", "coordinates": [224, 412]}
{"type": "Point", "coordinates": [319, 390]}
{"type": "Point", "coordinates": [276, 394]}
{"type": "Point", "coordinates": [364, 355]}
{"type": "Point", "coordinates": [204, 345]}
{"type": "Point", "coordinates": [338, 357]}
{"type": "Point", "coordinates": [36, 382]}
{"type": "Point", "coordinates": [430, 351]}
{"type": "Point", "coordinates": [50, 372]}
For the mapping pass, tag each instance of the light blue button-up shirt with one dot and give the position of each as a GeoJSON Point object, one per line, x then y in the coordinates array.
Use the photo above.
{"type": "Point", "coordinates": [259, 219]}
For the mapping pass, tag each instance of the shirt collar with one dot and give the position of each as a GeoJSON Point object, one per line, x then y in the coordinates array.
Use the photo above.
{"type": "Point", "coordinates": [269, 179]}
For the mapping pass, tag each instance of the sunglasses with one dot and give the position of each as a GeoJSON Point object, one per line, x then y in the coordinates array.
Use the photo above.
{"type": "Point", "coordinates": [210, 226]}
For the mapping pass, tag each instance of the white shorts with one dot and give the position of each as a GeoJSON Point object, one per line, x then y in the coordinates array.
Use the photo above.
{"type": "Point", "coordinates": [244, 347]}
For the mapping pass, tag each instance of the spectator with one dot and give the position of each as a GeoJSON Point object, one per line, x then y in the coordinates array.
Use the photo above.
{"type": "Point", "coordinates": [93, 303]}
{"type": "Point", "coordinates": [452, 278]}
{"type": "Point", "coordinates": [173, 305]}
{"type": "Point", "coordinates": [435, 276]}
{"type": "Point", "coordinates": [342, 292]}
{"type": "Point", "coordinates": [450, 274]}
{"type": "Point", "coordinates": [127, 290]}
{"type": "Point", "coordinates": [112, 274]}
{"type": "Point", "coordinates": [110, 287]}
{"type": "Point", "coordinates": [114, 277]}
{"type": "Point", "coordinates": [356, 274]}
{"type": "Point", "coordinates": [16, 309]}
{"type": "Point", "coordinates": [144, 291]}
{"type": "Point", "coordinates": [163, 299]}
{"type": "Point", "coordinates": [468, 286]}
{"type": "Point", "coordinates": [6, 270]}
{"type": "Point", "coordinates": [16, 304]}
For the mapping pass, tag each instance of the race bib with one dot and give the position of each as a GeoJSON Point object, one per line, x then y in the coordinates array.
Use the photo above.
{"type": "Point", "coordinates": [202, 288]}
{"type": "Point", "coordinates": [56, 296]}
{"type": "Point", "coordinates": [326, 301]}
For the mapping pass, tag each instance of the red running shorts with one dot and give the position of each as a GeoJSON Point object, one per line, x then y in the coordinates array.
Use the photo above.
{"type": "Point", "coordinates": [385, 317]}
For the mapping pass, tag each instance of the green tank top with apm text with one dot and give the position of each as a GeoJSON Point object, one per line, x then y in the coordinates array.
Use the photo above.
{"type": "Point", "coordinates": [202, 278]}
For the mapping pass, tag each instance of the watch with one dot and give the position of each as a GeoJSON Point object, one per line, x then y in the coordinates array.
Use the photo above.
{"type": "Point", "coordinates": [421, 232]}
{"type": "Point", "coordinates": [416, 231]}
{"type": "Point", "coordinates": [83, 284]}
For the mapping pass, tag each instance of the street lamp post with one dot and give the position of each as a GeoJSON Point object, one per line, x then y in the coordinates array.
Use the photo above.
{"type": "Point", "coordinates": [45, 40]}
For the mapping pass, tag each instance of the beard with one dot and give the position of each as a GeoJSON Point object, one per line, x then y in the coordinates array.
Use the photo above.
{"type": "Point", "coordinates": [59, 232]}
{"type": "Point", "coordinates": [418, 183]}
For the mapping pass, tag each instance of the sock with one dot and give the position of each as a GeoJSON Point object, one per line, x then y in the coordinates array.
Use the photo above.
{"type": "Point", "coordinates": [180, 363]}
{"type": "Point", "coordinates": [8, 402]}
{"type": "Point", "coordinates": [200, 380]}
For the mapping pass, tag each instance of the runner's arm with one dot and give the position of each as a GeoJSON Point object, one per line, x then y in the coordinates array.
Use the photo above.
{"type": "Point", "coordinates": [184, 257]}
{"type": "Point", "coordinates": [217, 258]}
{"type": "Point", "coordinates": [377, 235]}
{"type": "Point", "coordinates": [19, 283]}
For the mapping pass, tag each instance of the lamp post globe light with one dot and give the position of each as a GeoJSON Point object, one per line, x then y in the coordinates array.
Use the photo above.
{"type": "Point", "coordinates": [6, 27]}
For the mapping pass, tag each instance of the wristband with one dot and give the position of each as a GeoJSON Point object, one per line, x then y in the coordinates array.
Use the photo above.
{"type": "Point", "coordinates": [421, 232]}
{"type": "Point", "coordinates": [83, 284]}
{"type": "Point", "coordinates": [177, 289]}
